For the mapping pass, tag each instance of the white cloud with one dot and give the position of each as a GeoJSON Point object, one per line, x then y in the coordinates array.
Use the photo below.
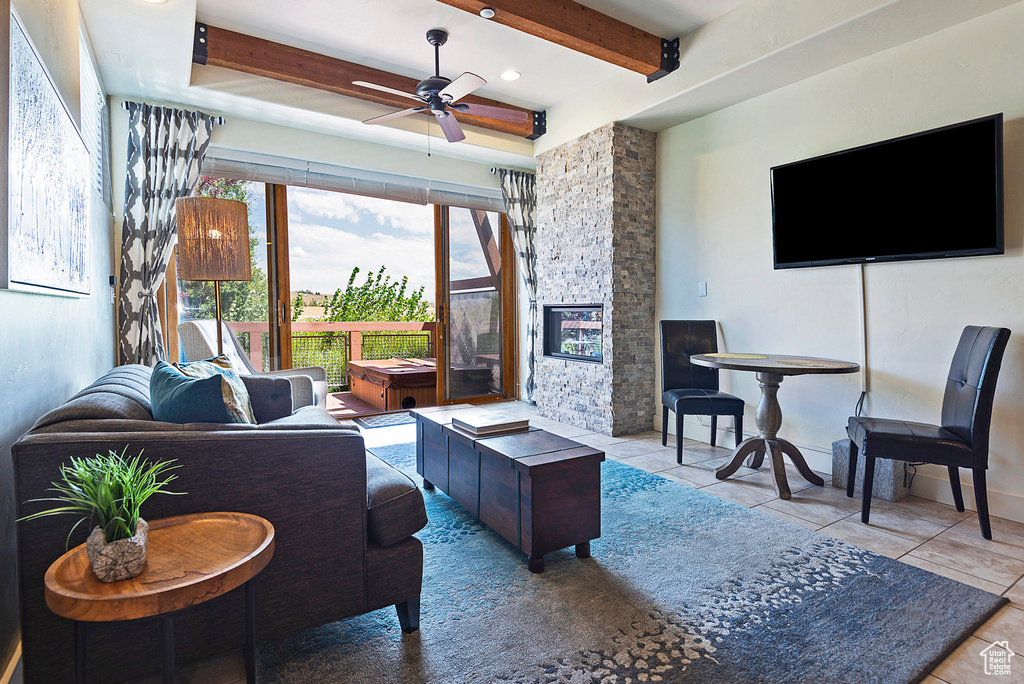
{"type": "Point", "coordinates": [323, 204]}
{"type": "Point", "coordinates": [330, 233]}
{"type": "Point", "coordinates": [322, 257]}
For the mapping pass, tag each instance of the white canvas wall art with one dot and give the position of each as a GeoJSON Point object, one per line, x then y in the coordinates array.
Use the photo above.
{"type": "Point", "coordinates": [47, 242]}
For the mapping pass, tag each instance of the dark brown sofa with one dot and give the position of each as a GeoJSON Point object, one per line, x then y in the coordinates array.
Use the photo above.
{"type": "Point", "coordinates": [344, 522]}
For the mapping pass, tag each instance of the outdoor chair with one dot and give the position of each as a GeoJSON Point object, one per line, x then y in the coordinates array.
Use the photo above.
{"type": "Point", "coordinates": [199, 341]}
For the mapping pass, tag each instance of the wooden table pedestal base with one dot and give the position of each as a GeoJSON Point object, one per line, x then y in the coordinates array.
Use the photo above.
{"type": "Point", "coordinates": [769, 420]}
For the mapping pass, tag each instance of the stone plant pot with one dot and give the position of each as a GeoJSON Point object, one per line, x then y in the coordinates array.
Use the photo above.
{"type": "Point", "coordinates": [121, 559]}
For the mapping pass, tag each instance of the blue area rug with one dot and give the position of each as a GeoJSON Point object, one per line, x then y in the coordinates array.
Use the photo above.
{"type": "Point", "coordinates": [385, 420]}
{"type": "Point", "coordinates": [682, 587]}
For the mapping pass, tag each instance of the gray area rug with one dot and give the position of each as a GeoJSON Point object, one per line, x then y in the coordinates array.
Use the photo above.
{"type": "Point", "coordinates": [682, 587]}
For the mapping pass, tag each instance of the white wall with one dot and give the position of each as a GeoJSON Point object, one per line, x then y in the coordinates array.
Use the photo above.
{"type": "Point", "coordinates": [50, 347]}
{"type": "Point", "coordinates": [714, 225]}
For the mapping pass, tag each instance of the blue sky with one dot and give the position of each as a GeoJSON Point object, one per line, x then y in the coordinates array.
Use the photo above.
{"type": "Point", "coordinates": [330, 233]}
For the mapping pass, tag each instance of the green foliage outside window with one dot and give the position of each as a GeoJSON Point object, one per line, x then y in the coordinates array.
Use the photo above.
{"type": "Point", "coordinates": [378, 299]}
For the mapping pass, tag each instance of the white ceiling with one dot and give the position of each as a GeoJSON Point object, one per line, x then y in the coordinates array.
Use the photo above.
{"type": "Point", "coordinates": [144, 51]}
{"type": "Point", "coordinates": [732, 50]}
{"type": "Point", "coordinates": [390, 35]}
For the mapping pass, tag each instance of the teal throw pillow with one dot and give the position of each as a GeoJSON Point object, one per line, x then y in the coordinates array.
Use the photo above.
{"type": "Point", "coordinates": [176, 398]}
{"type": "Point", "coordinates": [236, 396]}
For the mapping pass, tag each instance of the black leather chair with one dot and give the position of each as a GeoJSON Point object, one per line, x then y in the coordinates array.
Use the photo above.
{"type": "Point", "coordinates": [690, 390]}
{"type": "Point", "coordinates": [962, 439]}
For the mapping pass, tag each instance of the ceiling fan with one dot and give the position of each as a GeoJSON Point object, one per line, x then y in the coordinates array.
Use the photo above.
{"type": "Point", "coordinates": [441, 96]}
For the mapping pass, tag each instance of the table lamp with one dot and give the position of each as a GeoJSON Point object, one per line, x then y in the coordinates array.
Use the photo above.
{"type": "Point", "coordinates": [213, 244]}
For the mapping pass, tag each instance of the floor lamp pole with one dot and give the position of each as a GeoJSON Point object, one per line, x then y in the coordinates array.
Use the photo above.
{"type": "Point", "coordinates": [220, 334]}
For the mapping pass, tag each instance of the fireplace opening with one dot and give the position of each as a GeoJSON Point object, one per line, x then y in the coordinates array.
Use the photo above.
{"type": "Point", "coordinates": [574, 332]}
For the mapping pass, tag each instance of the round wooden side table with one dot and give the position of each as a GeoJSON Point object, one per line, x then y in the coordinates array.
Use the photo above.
{"type": "Point", "coordinates": [771, 369]}
{"type": "Point", "coordinates": [190, 560]}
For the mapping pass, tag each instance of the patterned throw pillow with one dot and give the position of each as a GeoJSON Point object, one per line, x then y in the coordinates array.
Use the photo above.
{"type": "Point", "coordinates": [236, 398]}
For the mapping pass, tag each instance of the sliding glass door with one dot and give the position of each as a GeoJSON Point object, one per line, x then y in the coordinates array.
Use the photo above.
{"type": "Point", "coordinates": [340, 278]}
{"type": "Point", "coordinates": [475, 299]}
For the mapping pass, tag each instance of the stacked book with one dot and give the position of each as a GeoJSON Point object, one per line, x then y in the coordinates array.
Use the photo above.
{"type": "Point", "coordinates": [482, 423]}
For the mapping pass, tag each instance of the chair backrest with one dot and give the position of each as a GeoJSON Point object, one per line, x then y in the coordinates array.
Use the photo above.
{"type": "Point", "coordinates": [199, 341]}
{"type": "Point", "coordinates": [971, 386]}
{"type": "Point", "coordinates": [680, 340]}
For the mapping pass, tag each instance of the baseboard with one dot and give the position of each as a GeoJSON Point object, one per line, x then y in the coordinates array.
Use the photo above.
{"type": "Point", "coordinates": [11, 665]}
{"type": "Point", "coordinates": [931, 482]}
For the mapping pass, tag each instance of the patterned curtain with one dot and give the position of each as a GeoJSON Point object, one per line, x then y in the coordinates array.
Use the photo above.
{"type": "Point", "coordinates": [165, 150]}
{"type": "Point", "coordinates": [519, 191]}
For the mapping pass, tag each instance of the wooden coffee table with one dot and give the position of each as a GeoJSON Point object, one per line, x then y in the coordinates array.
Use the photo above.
{"type": "Point", "coordinates": [190, 560]}
{"type": "Point", "coordinates": [539, 491]}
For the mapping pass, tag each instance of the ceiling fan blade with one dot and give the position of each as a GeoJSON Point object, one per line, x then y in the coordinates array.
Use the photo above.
{"type": "Point", "coordinates": [513, 115]}
{"type": "Point", "coordinates": [385, 89]}
{"type": "Point", "coordinates": [452, 129]}
{"type": "Point", "coordinates": [462, 86]}
{"type": "Point", "coordinates": [393, 115]}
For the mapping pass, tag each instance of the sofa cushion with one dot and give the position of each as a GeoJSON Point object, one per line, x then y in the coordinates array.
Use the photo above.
{"type": "Point", "coordinates": [121, 393]}
{"type": "Point", "coordinates": [236, 397]}
{"type": "Point", "coordinates": [309, 416]}
{"type": "Point", "coordinates": [177, 398]}
{"type": "Point", "coordinates": [394, 504]}
{"type": "Point", "coordinates": [270, 397]}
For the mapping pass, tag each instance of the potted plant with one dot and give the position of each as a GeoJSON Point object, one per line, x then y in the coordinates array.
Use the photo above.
{"type": "Point", "coordinates": [110, 489]}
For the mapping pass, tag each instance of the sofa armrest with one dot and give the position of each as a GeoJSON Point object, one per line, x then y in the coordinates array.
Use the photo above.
{"type": "Point", "coordinates": [317, 387]}
{"type": "Point", "coordinates": [310, 484]}
{"type": "Point", "coordinates": [302, 387]}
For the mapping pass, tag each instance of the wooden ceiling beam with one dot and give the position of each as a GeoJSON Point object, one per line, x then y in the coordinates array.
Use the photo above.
{"type": "Point", "coordinates": [219, 47]}
{"type": "Point", "coordinates": [585, 30]}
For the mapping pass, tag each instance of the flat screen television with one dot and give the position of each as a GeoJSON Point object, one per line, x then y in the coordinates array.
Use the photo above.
{"type": "Point", "coordinates": [929, 195]}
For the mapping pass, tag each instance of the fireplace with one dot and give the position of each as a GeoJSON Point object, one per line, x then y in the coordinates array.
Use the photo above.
{"type": "Point", "coordinates": [574, 332]}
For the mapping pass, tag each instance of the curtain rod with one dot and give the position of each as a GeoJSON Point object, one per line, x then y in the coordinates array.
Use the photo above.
{"type": "Point", "coordinates": [219, 120]}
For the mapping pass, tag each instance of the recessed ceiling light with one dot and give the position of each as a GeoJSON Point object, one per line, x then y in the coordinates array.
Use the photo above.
{"type": "Point", "coordinates": [487, 13]}
{"type": "Point", "coordinates": [510, 75]}
{"type": "Point", "coordinates": [155, 2]}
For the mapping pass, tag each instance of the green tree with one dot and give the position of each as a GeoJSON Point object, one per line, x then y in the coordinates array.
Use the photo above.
{"type": "Point", "coordinates": [240, 300]}
{"type": "Point", "coordinates": [298, 306]}
{"type": "Point", "coordinates": [378, 299]}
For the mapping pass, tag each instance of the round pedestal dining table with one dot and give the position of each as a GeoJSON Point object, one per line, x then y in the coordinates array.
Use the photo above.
{"type": "Point", "coordinates": [771, 369]}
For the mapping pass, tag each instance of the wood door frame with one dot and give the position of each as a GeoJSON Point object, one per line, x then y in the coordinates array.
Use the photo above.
{"type": "Point", "coordinates": [278, 278]}
{"type": "Point", "coordinates": [508, 322]}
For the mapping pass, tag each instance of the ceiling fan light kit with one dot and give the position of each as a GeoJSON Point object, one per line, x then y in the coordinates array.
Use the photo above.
{"type": "Point", "coordinates": [441, 96]}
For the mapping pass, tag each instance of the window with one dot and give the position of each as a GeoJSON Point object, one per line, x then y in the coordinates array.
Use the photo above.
{"type": "Point", "coordinates": [94, 117]}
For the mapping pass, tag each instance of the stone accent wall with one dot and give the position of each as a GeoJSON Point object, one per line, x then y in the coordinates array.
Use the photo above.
{"type": "Point", "coordinates": [595, 245]}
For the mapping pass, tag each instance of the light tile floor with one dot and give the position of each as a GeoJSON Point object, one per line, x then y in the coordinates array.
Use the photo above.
{"type": "Point", "coordinates": [923, 533]}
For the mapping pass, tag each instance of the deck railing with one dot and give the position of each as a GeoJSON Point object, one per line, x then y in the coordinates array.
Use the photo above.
{"type": "Point", "coordinates": [333, 345]}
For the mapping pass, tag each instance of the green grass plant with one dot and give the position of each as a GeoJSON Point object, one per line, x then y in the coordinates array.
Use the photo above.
{"type": "Point", "coordinates": [109, 489]}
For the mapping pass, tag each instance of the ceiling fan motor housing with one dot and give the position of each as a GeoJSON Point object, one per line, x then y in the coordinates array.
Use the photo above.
{"type": "Point", "coordinates": [430, 87]}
